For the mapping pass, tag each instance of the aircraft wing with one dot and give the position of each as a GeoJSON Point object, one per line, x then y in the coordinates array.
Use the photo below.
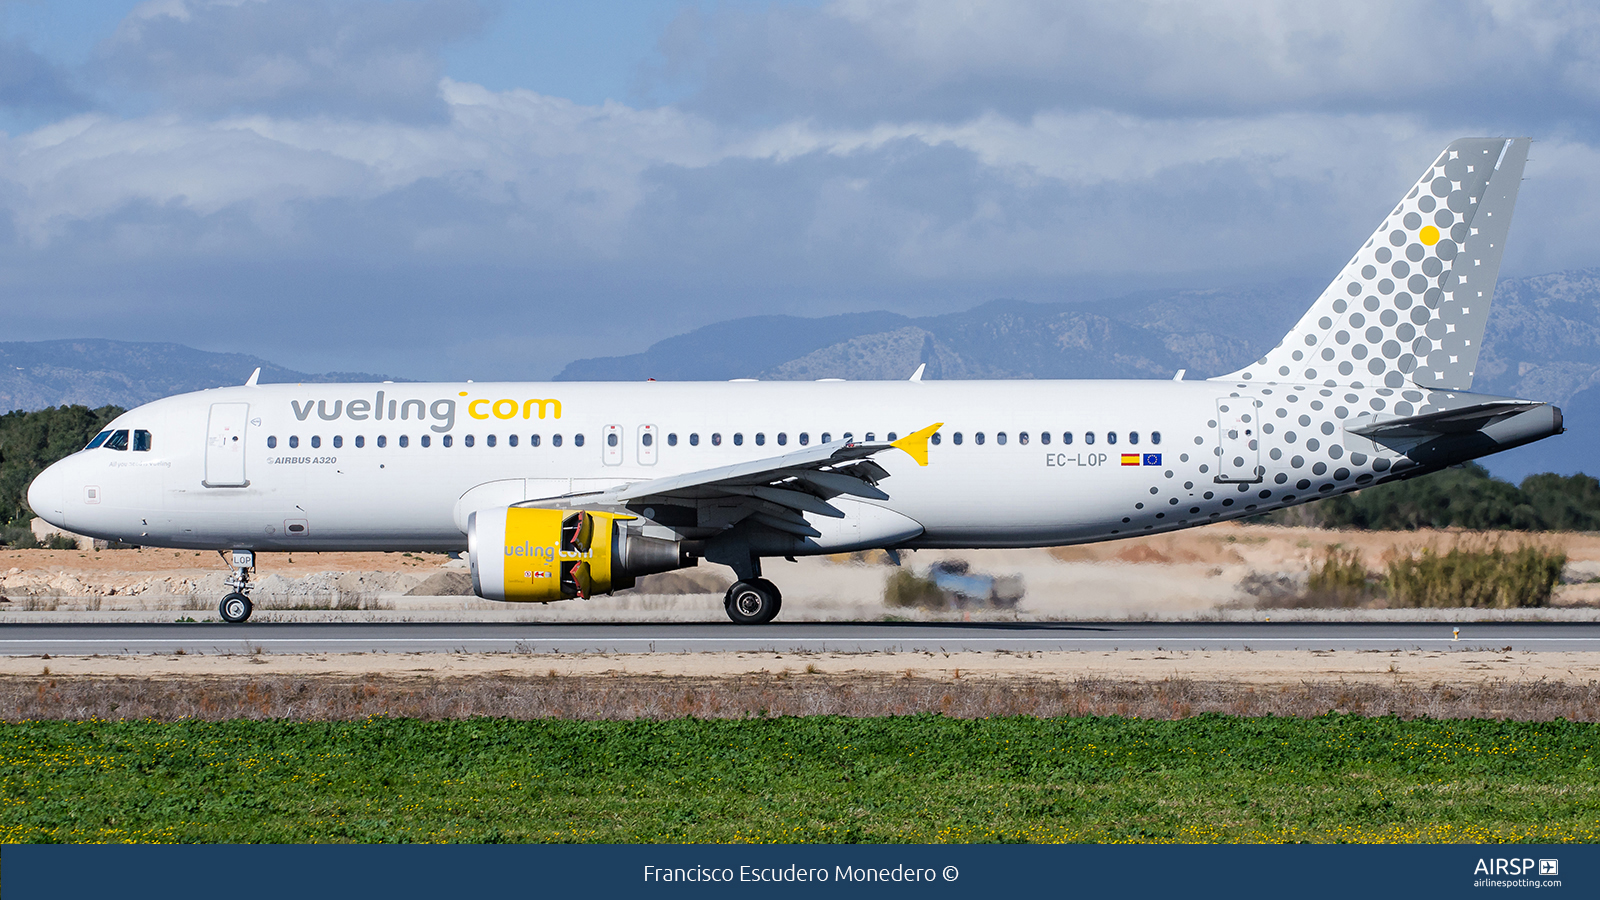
{"type": "Point", "coordinates": [1461, 420]}
{"type": "Point", "coordinates": [775, 490]}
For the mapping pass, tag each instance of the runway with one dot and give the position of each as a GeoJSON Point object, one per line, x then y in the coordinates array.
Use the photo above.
{"type": "Point", "coordinates": [847, 637]}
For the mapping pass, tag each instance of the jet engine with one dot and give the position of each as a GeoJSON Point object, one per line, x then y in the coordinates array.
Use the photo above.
{"type": "Point", "coordinates": [539, 555]}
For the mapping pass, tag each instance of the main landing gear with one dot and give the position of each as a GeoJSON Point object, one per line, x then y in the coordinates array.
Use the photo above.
{"type": "Point", "coordinates": [753, 602]}
{"type": "Point", "coordinates": [236, 606]}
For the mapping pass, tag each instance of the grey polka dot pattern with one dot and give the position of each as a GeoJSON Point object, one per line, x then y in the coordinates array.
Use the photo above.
{"type": "Point", "coordinates": [1411, 306]}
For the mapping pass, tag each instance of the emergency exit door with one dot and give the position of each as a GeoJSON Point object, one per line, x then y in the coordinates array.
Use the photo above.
{"type": "Point", "coordinates": [611, 440]}
{"type": "Point", "coordinates": [647, 445]}
{"type": "Point", "coordinates": [225, 445]}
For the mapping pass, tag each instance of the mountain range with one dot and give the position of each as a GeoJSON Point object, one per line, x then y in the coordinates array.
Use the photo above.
{"type": "Point", "coordinates": [1543, 340]}
{"type": "Point", "coordinates": [93, 372]}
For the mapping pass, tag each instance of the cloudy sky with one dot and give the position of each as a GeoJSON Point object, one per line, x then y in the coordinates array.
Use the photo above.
{"type": "Point", "coordinates": [479, 189]}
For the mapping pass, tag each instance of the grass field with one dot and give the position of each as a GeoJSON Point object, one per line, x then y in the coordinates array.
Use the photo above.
{"type": "Point", "coordinates": [922, 778]}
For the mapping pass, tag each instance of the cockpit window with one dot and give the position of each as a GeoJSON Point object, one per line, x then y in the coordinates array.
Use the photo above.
{"type": "Point", "coordinates": [98, 440]}
{"type": "Point", "coordinates": [141, 440]}
{"type": "Point", "coordinates": [118, 440]}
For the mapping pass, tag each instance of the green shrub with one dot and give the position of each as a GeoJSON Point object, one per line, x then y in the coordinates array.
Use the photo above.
{"type": "Point", "coordinates": [1341, 579]}
{"type": "Point", "coordinates": [907, 589]}
{"type": "Point", "coordinates": [1487, 577]}
{"type": "Point", "coordinates": [59, 542]}
{"type": "Point", "coordinates": [1466, 497]}
{"type": "Point", "coordinates": [18, 537]}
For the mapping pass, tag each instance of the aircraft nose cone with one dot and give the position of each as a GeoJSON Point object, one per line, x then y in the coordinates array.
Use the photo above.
{"type": "Point", "coordinates": [45, 496]}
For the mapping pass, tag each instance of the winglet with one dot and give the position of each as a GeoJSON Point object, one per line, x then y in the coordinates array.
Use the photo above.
{"type": "Point", "coordinates": [251, 381]}
{"type": "Point", "coordinates": [917, 375]}
{"type": "Point", "coordinates": [917, 444]}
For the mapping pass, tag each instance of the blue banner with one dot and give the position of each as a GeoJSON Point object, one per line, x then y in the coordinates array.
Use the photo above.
{"type": "Point", "coordinates": [305, 872]}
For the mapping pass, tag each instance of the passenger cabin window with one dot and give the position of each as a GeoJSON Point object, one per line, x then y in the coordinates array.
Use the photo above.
{"type": "Point", "coordinates": [489, 441]}
{"type": "Point", "coordinates": [533, 441]}
{"type": "Point", "coordinates": [672, 439]}
{"type": "Point", "coordinates": [338, 441]}
{"type": "Point", "coordinates": [1066, 437]}
{"type": "Point", "coordinates": [826, 437]}
{"type": "Point", "coordinates": [405, 440]}
{"type": "Point", "coordinates": [555, 440]}
{"type": "Point", "coordinates": [427, 441]}
{"type": "Point", "coordinates": [141, 440]}
{"type": "Point", "coordinates": [272, 441]}
{"type": "Point", "coordinates": [383, 440]}
{"type": "Point", "coordinates": [647, 439]}
{"type": "Point", "coordinates": [577, 440]}
{"type": "Point", "coordinates": [1111, 437]}
{"type": "Point", "coordinates": [738, 439]}
{"type": "Point", "coordinates": [98, 440]}
{"type": "Point", "coordinates": [694, 439]}
{"type": "Point", "coordinates": [956, 438]}
{"type": "Point", "coordinates": [1088, 437]}
{"type": "Point", "coordinates": [468, 440]}
{"type": "Point", "coordinates": [893, 437]}
{"type": "Point", "coordinates": [1044, 437]}
{"type": "Point", "coordinates": [805, 438]}
{"type": "Point", "coordinates": [1155, 437]}
{"type": "Point", "coordinates": [1133, 437]}
{"type": "Point", "coordinates": [1022, 437]}
{"type": "Point", "coordinates": [1000, 438]}
{"type": "Point", "coordinates": [361, 441]}
{"type": "Point", "coordinates": [978, 438]}
{"type": "Point", "coordinates": [783, 439]}
{"type": "Point", "coordinates": [869, 436]}
{"type": "Point", "coordinates": [511, 439]}
{"type": "Point", "coordinates": [716, 439]}
{"type": "Point", "coordinates": [938, 438]}
{"type": "Point", "coordinates": [448, 440]}
{"type": "Point", "coordinates": [316, 441]}
{"type": "Point", "coordinates": [612, 440]}
{"type": "Point", "coordinates": [294, 441]}
{"type": "Point", "coordinates": [761, 439]}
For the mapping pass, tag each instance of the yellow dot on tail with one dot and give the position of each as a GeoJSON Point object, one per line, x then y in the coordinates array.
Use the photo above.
{"type": "Point", "coordinates": [1429, 235]}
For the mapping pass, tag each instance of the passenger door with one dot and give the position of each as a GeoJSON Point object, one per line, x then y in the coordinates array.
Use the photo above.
{"type": "Point", "coordinates": [225, 443]}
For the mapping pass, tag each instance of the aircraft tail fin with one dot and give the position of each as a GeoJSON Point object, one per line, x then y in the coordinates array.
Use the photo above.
{"type": "Point", "coordinates": [1411, 306]}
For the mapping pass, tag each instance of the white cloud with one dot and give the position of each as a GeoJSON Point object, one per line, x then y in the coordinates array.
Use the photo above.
{"type": "Point", "coordinates": [362, 59]}
{"type": "Point", "coordinates": [945, 184]}
{"type": "Point", "coordinates": [855, 61]}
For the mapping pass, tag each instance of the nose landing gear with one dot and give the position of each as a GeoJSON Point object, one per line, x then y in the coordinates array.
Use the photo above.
{"type": "Point", "coordinates": [236, 606]}
{"type": "Point", "coordinates": [753, 602]}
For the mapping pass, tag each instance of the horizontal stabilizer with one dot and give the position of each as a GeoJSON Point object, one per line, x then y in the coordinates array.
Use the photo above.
{"type": "Point", "coordinates": [1461, 420]}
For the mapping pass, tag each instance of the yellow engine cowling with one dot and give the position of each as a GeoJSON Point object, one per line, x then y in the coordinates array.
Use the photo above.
{"type": "Point", "coordinates": [539, 555]}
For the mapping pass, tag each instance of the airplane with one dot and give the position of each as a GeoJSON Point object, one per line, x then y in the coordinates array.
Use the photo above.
{"type": "Point", "coordinates": [562, 491]}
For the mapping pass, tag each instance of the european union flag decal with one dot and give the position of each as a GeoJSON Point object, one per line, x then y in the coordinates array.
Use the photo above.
{"type": "Point", "coordinates": [1152, 459]}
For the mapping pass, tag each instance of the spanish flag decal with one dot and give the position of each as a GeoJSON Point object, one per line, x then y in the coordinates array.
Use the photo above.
{"type": "Point", "coordinates": [1130, 459]}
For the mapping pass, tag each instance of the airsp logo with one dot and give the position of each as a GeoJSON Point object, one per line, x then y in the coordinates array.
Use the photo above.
{"type": "Point", "coordinates": [1502, 866]}
{"type": "Point", "coordinates": [1549, 867]}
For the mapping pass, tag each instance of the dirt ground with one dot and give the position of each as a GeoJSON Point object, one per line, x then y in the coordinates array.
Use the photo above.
{"type": "Point", "coordinates": [1198, 573]}
{"type": "Point", "coordinates": [1240, 666]}
{"type": "Point", "coordinates": [1223, 544]}
{"type": "Point", "coordinates": [613, 696]}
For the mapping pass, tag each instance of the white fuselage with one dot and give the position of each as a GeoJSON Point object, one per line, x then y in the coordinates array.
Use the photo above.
{"type": "Point", "coordinates": [343, 466]}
